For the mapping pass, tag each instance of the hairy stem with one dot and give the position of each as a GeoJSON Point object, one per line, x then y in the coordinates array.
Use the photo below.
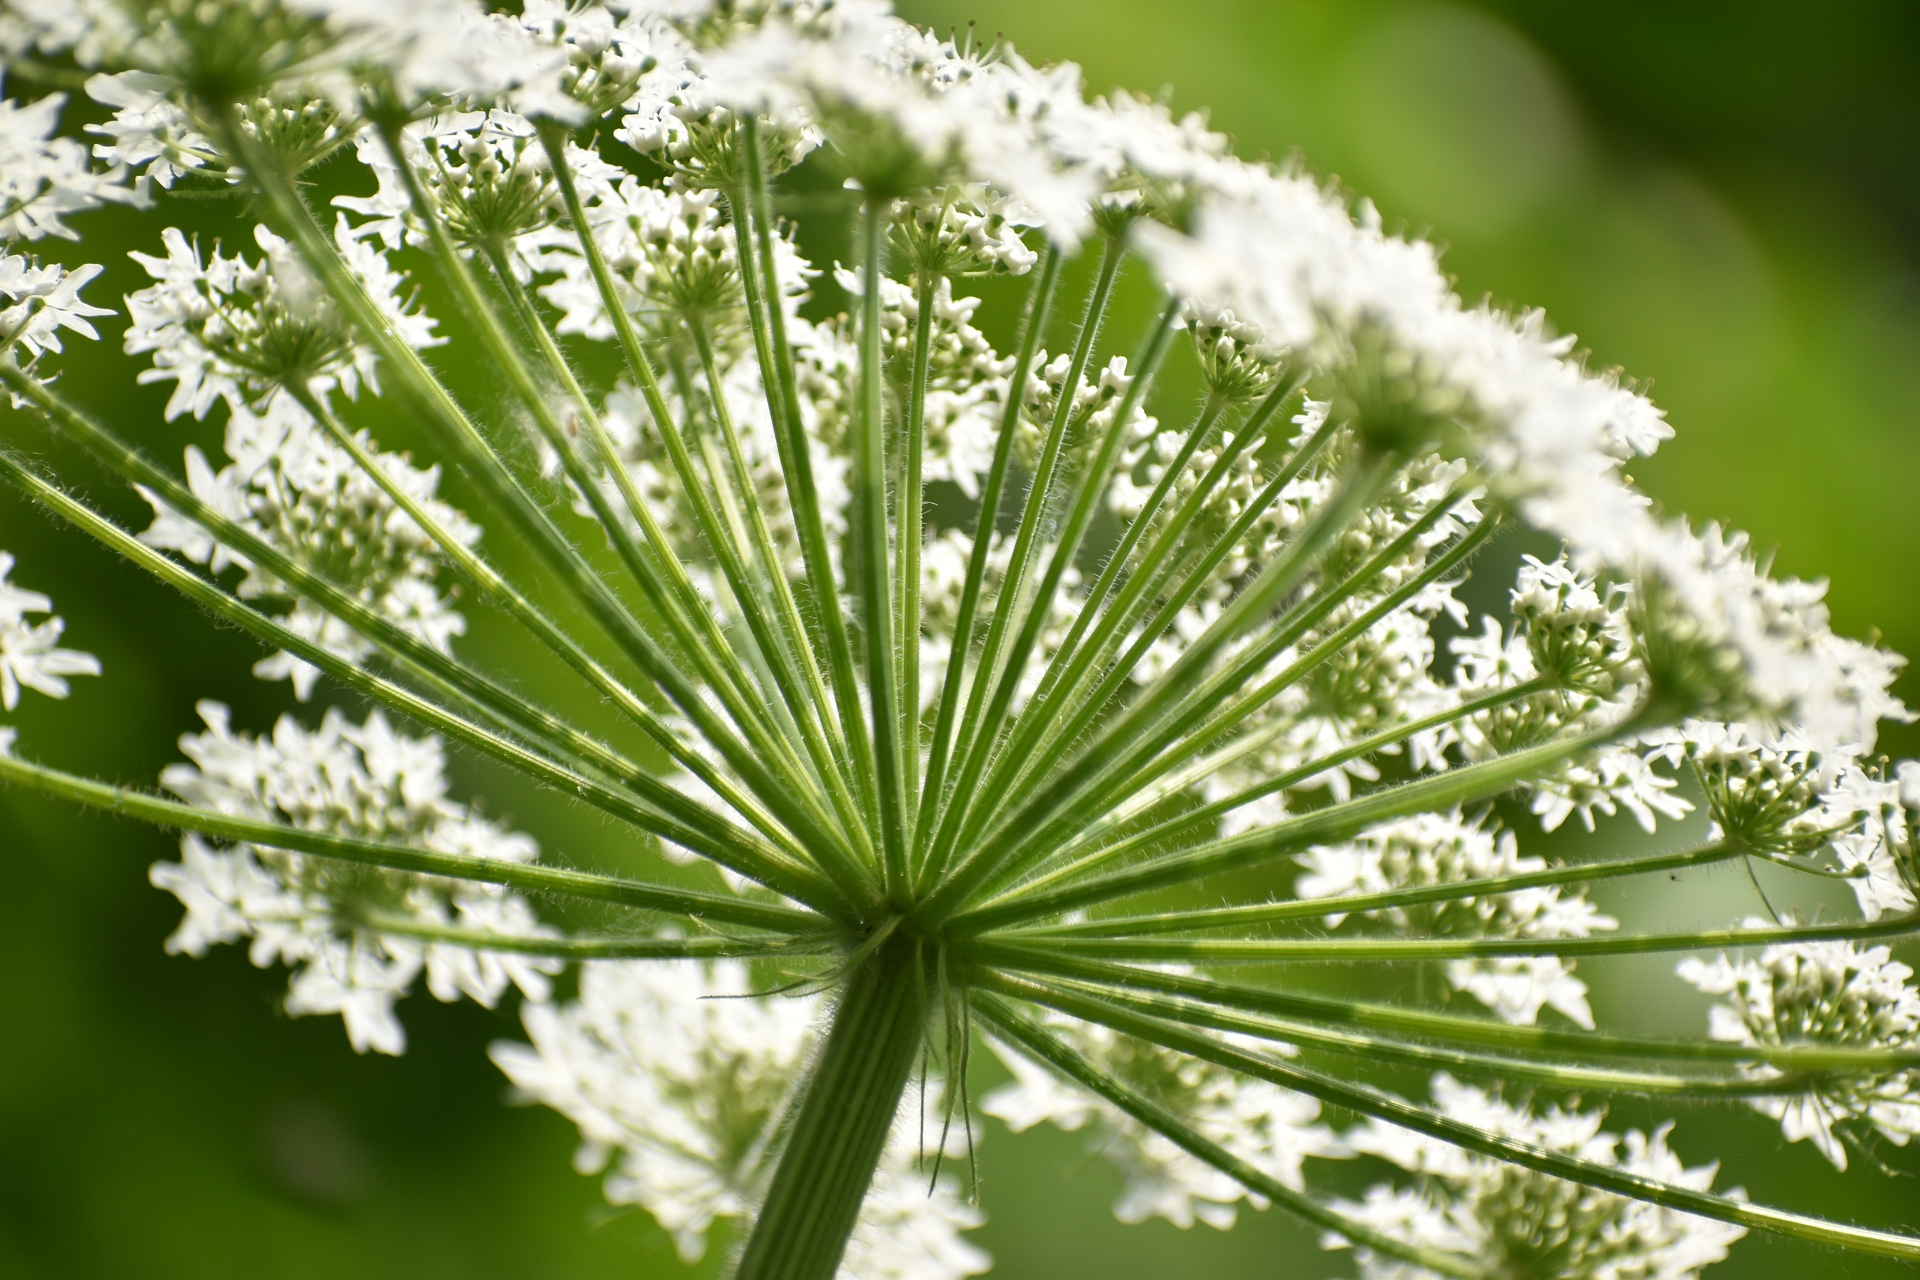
{"type": "Point", "coordinates": [514, 875]}
{"type": "Point", "coordinates": [845, 1115]}
{"type": "Point", "coordinates": [1373, 1102]}
{"type": "Point", "coordinates": [1044, 1047]}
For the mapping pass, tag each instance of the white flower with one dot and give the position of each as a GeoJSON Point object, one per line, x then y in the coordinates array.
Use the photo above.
{"type": "Point", "coordinates": [149, 132]}
{"type": "Point", "coordinates": [679, 1082]}
{"type": "Point", "coordinates": [1432, 848]}
{"type": "Point", "coordinates": [228, 329]}
{"type": "Point", "coordinates": [857, 64]}
{"type": "Point", "coordinates": [1271, 1128]}
{"type": "Point", "coordinates": [1513, 1221]}
{"type": "Point", "coordinates": [321, 918]}
{"type": "Point", "coordinates": [291, 485]}
{"type": "Point", "coordinates": [29, 656]}
{"type": "Point", "coordinates": [45, 300]}
{"type": "Point", "coordinates": [452, 48]}
{"type": "Point", "coordinates": [1822, 993]}
{"type": "Point", "coordinates": [44, 179]}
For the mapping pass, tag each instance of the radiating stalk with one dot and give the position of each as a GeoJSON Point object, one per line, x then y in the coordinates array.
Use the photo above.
{"type": "Point", "coordinates": [792, 661]}
{"type": "Point", "coordinates": [1335, 822]}
{"type": "Point", "coordinates": [1091, 857]}
{"type": "Point", "coordinates": [1039, 712]}
{"type": "Point", "coordinates": [870, 562]}
{"type": "Point", "coordinates": [693, 622]}
{"type": "Point", "coordinates": [770, 760]}
{"type": "Point", "coordinates": [1263, 914]}
{"type": "Point", "coordinates": [817, 703]}
{"type": "Point", "coordinates": [1168, 547]}
{"type": "Point", "coordinates": [947, 711]}
{"type": "Point", "coordinates": [1045, 1047]}
{"type": "Point", "coordinates": [597, 947]}
{"type": "Point", "coordinates": [843, 1119]}
{"type": "Point", "coordinates": [121, 457]}
{"type": "Point", "coordinates": [913, 524]}
{"type": "Point", "coordinates": [761, 282]}
{"type": "Point", "coordinates": [1114, 752]}
{"type": "Point", "coordinates": [422, 660]}
{"type": "Point", "coordinates": [650, 805]}
{"type": "Point", "coordinates": [840, 860]}
{"type": "Point", "coordinates": [978, 727]}
{"type": "Point", "coordinates": [1092, 483]}
{"type": "Point", "coordinates": [719, 908]}
{"type": "Point", "coordinates": [1544, 1043]}
{"type": "Point", "coordinates": [1071, 708]}
{"type": "Point", "coordinates": [1382, 1106]}
{"type": "Point", "coordinates": [1122, 554]}
{"type": "Point", "coordinates": [1218, 951]}
{"type": "Point", "coordinates": [444, 414]}
{"type": "Point", "coordinates": [554, 139]}
{"type": "Point", "coordinates": [1379, 1049]}
{"type": "Point", "coordinates": [491, 586]}
{"type": "Point", "coordinates": [1197, 720]}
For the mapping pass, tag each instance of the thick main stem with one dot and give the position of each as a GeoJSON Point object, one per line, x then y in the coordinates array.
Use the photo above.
{"type": "Point", "coordinates": [844, 1118]}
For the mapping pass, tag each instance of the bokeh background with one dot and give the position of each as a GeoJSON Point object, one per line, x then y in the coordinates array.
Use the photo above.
{"type": "Point", "coordinates": [1723, 198]}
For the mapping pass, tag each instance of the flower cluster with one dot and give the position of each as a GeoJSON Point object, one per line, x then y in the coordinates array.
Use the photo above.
{"type": "Point", "coordinates": [288, 483]}
{"type": "Point", "coordinates": [30, 656]}
{"type": "Point", "coordinates": [1271, 1128]}
{"type": "Point", "coordinates": [344, 929]}
{"type": "Point", "coordinates": [1830, 993]}
{"type": "Point", "coordinates": [226, 329]}
{"type": "Point", "coordinates": [1434, 848]}
{"type": "Point", "coordinates": [43, 300]}
{"type": "Point", "coordinates": [1514, 1222]}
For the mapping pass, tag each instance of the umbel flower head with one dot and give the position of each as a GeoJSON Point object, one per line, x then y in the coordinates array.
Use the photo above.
{"type": "Point", "coordinates": [942, 682]}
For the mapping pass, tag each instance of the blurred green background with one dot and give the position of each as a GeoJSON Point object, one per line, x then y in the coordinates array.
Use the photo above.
{"type": "Point", "coordinates": [1722, 198]}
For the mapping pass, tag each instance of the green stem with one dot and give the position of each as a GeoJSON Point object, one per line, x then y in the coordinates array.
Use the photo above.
{"type": "Point", "coordinates": [815, 706]}
{"type": "Point", "coordinates": [489, 583]}
{"type": "Point", "coordinates": [1203, 814]}
{"type": "Point", "coordinates": [844, 1118]}
{"type": "Point", "coordinates": [444, 414]}
{"type": "Point", "coordinates": [1549, 1043]}
{"type": "Point", "coordinates": [1382, 1106]}
{"type": "Point", "coordinates": [979, 727]}
{"type": "Point", "coordinates": [760, 279]}
{"type": "Point", "coordinates": [1356, 1044]}
{"type": "Point", "coordinates": [1077, 708]}
{"type": "Point", "coordinates": [684, 903]}
{"type": "Point", "coordinates": [946, 714]}
{"type": "Point", "coordinates": [1092, 483]}
{"type": "Point", "coordinates": [838, 859]}
{"type": "Point", "coordinates": [1199, 718]}
{"type": "Point", "coordinates": [1322, 826]}
{"type": "Point", "coordinates": [870, 566]}
{"type": "Point", "coordinates": [1214, 951]}
{"type": "Point", "coordinates": [650, 805]}
{"type": "Point", "coordinates": [1074, 795]}
{"type": "Point", "coordinates": [590, 947]}
{"type": "Point", "coordinates": [769, 762]}
{"type": "Point", "coordinates": [913, 523]}
{"type": "Point", "coordinates": [1267, 913]}
{"type": "Point", "coordinates": [1169, 549]}
{"type": "Point", "coordinates": [1137, 528]}
{"type": "Point", "coordinates": [1046, 1048]}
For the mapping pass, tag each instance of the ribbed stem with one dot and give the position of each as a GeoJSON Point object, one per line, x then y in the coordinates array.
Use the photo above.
{"type": "Point", "coordinates": [843, 1122]}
